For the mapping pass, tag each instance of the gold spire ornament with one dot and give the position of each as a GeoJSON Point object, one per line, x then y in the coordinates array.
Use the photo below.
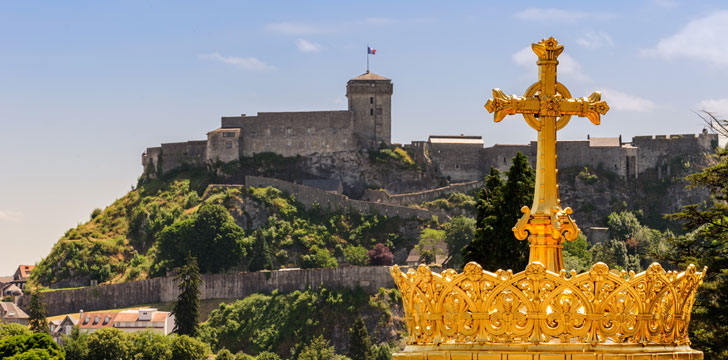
{"type": "Point", "coordinates": [545, 312]}
{"type": "Point", "coordinates": [547, 107]}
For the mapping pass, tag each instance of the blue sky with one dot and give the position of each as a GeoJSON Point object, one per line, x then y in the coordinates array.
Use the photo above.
{"type": "Point", "coordinates": [86, 86]}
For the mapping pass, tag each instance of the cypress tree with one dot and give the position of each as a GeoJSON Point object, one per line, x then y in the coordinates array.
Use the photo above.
{"type": "Point", "coordinates": [498, 209]}
{"type": "Point", "coordinates": [261, 259]}
{"type": "Point", "coordinates": [187, 307]}
{"type": "Point", "coordinates": [360, 345]}
{"type": "Point", "coordinates": [37, 313]}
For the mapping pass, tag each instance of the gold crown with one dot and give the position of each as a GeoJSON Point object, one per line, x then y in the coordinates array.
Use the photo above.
{"type": "Point", "coordinates": [539, 306]}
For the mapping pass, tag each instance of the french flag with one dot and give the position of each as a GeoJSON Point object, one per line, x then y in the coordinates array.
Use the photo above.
{"type": "Point", "coordinates": [371, 51]}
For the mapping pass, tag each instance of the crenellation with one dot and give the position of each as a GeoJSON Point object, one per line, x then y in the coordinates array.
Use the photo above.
{"type": "Point", "coordinates": [366, 124]}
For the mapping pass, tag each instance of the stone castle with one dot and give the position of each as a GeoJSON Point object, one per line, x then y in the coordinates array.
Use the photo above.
{"type": "Point", "coordinates": [367, 122]}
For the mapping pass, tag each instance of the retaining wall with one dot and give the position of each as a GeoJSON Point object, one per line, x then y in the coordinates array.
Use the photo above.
{"type": "Point", "coordinates": [421, 196]}
{"type": "Point", "coordinates": [308, 196]}
{"type": "Point", "coordinates": [214, 286]}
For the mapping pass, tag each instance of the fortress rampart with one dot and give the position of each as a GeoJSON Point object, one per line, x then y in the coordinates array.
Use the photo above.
{"type": "Point", "coordinates": [214, 286]}
{"type": "Point", "coordinates": [381, 196]}
{"type": "Point", "coordinates": [329, 201]}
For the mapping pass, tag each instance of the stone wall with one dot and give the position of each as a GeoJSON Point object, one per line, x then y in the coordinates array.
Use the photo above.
{"type": "Point", "coordinates": [499, 156]}
{"type": "Point", "coordinates": [214, 286]}
{"type": "Point", "coordinates": [658, 151]}
{"type": "Point", "coordinates": [420, 196]}
{"type": "Point", "coordinates": [295, 133]}
{"type": "Point", "coordinates": [458, 162]}
{"type": "Point", "coordinates": [328, 201]}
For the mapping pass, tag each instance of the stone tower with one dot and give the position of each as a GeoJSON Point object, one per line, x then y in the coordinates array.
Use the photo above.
{"type": "Point", "coordinates": [370, 99]}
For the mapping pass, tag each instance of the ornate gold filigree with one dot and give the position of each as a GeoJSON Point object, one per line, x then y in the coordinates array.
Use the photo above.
{"type": "Point", "coordinates": [539, 306]}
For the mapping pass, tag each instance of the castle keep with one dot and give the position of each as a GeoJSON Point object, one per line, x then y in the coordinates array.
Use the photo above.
{"type": "Point", "coordinates": [367, 124]}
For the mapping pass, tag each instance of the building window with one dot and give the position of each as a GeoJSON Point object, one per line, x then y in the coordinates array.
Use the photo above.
{"type": "Point", "coordinates": [371, 100]}
{"type": "Point", "coordinates": [345, 141]}
{"type": "Point", "coordinates": [310, 130]}
{"type": "Point", "coordinates": [228, 134]}
{"type": "Point", "coordinates": [379, 111]}
{"type": "Point", "coordinates": [371, 112]}
{"type": "Point", "coordinates": [267, 131]}
{"type": "Point", "coordinates": [289, 131]}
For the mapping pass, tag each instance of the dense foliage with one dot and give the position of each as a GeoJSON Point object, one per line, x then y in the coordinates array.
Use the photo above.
{"type": "Point", "coordinates": [498, 209]}
{"type": "Point", "coordinates": [27, 346]}
{"type": "Point", "coordinates": [210, 233]}
{"type": "Point", "coordinates": [149, 231]}
{"type": "Point", "coordinates": [111, 343]}
{"type": "Point", "coordinates": [360, 345]}
{"type": "Point", "coordinates": [285, 323]}
{"type": "Point", "coordinates": [707, 245]}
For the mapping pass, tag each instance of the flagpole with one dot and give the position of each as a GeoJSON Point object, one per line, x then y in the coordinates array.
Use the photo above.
{"type": "Point", "coordinates": [367, 58]}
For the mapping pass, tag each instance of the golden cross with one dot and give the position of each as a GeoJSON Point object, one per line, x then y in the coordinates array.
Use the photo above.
{"type": "Point", "coordinates": [547, 107]}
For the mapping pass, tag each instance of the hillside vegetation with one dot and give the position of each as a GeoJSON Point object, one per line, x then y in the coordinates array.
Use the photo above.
{"type": "Point", "coordinates": [150, 229]}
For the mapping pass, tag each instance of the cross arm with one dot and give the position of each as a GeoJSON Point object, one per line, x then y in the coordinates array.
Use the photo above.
{"type": "Point", "coordinates": [502, 105]}
{"type": "Point", "coordinates": [590, 107]}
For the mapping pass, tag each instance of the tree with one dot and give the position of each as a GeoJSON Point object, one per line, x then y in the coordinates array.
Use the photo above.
{"type": "Point", "coordinates": [186, 309]}
{"type": "Point", "coordinates": [261, 258]}
{"type": "Point", "coordinates": [211, 234]}
{"type": "Point", "coordinates": [318, 349]}
{"type": "Point", "coordinates": [30, 347]}
{"type": "Point", "coordinates": [707, 245]}
{"type": "Point", "coordinates": [188, 348]}
{"type": "Point", "coordinates": [319, 258]}
{"type": "Point", "coordinates": [430, 244]}
{"type": "Point", "coordinates": [499, 208]}
{"type": "Point", "coordinates": [148, 345]}
{"type": "Point", "coordinates": [37, 313]}
{"type": "Point", "coordinates": [108, 344]}
{"type": "Point", "coordinates": [383, 352]}
{"type": "Point", "coordinates": [75, 345]}
{"type": "Point", "coordinates": [11, 329]}
{"type": "Point", "coordinates": [623, 225]}
{"type": "Point", "coordinates": [459, 232]}
{"type": "Point", "coordinates": [380, 256]}
{"type": "Point", "coordinates": [360, 345]}
{"type": "Point", "coordinates": [356, 255]}
{"type": "Point", "coordinates": [224, 354]}
{"type": "Point", "coordinates": [267, 355]}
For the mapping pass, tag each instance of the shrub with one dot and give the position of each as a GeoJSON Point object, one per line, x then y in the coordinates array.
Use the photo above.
{"type": "Point", "coordinates": [380, 255]}
{"type": "Point", "coordinates": [95, 213]}
{"type": "Point", "coordinates": [188, 348]}
{"type": "Point", "coordinates": [320, 258]}
{"type": "Point", "coordinates": [356, 255]}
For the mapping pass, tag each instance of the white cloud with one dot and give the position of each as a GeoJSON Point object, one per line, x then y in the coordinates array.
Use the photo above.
{"type": "Point", "coordinates": [719, 107]}
{"type": "Point", "coordinates": [248, 63]}
{"type": "Point", "coordinates": [622, 101]}
{"type": "Point", "coordinates": [559, 15]}
{"type": "Point", "coordinates": [11, 216]}
{"type": "Point", "coordinates": [702, 39]}
{"type": "Point", "coordinates": [595, 40]}
{"type": "Point", "coordinates": [307, 46]}
{"type": "Point", "coordinates": [567, 65]}
{"type": "Point", "coordinates": [287, 28]}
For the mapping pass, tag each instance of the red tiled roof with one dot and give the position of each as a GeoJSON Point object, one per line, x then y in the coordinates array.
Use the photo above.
{"type": "Point", "coordinates": [96, 320]}
{"type": "Point", "coordinates": [25, 270]}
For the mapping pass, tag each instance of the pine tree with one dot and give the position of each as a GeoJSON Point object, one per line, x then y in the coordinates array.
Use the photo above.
{"type": "Point", "coordinates": [360, 345]}
{"type": "Point", "coordinates": [707, 245]}
{"type": "Point", "coordinates": [261, 258]}
{"type": "Point", "coordinates": [187, 307]}
{"type": "Point", "coordinates": [498, 209]}
{"type": "Point", "coordinates": [37, 313]}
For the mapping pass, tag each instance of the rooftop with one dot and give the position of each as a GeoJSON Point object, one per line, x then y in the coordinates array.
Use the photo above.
{"type": "Point", "coordinates": [455, 139]}
{"type": "Point", "coordinates": [370, 76]}
{"type": "Point", "coordinates": [24, 271]}
{"type": "Point", "coordinates": [604, 142]}
{"type": "Point", "coordinates": [9, 310]}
